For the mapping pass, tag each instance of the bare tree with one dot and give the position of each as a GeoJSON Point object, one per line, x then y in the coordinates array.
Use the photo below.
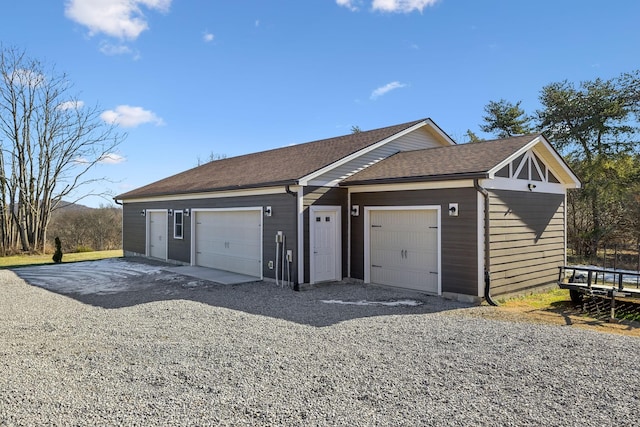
{"type": "Point", "coordinates": [86, 229]}
{"type": "Point", "coordinates": [49, 142]}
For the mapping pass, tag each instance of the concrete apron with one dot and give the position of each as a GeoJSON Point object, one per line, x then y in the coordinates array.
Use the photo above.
{"type": "Point", "coordinates": [211, 274]}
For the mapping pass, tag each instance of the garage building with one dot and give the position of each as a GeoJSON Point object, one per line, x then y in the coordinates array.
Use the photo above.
{"type": "Point", "coordinates": [399, 206]}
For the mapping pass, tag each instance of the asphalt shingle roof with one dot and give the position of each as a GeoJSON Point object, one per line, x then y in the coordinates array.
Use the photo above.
{"type": "Point", "coordinates": [273, 167]}
{"type": "Point", "coordinates": [442, 162]}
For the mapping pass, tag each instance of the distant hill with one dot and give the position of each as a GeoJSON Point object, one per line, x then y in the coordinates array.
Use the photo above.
{"type": "Point", "coordinates": [68, 207]}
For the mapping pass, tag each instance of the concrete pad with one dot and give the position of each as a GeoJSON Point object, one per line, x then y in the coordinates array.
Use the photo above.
{"type": "Point", "coordinates": [211, 274]}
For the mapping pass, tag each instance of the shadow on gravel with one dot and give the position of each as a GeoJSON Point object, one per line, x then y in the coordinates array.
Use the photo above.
{"type": "Point", "coordinates": [596, 311]}
{"type": "Point", "coordinates": [320, 306]}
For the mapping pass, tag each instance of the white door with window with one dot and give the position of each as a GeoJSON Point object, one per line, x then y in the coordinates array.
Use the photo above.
{"type": "Point", "coordinates": [404, 248]}
{"type": "Point", "coordinates": [157, 236]}
{"type": "Point", "coordinates": [229, 240]}
{"type": "Point", "coordinates": [325, 243]}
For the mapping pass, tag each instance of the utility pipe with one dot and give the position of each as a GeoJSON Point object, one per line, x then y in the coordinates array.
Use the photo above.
{"type": "Point", "coordinates": [487, 243]}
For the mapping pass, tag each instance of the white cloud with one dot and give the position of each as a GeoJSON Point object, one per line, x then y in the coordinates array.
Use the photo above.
{"type": "Point", "coordinates": [349, 4]}
{"type": "Point", "coordinates": [108, 159]}
{"type": "Point", "coordinates": [402, 6]}
{"type": "Point", "coordinates": [207, 37]}
{"type": "Point", "coordinates": [114, 49]}
{"type": "Point", "coordinates": [111, 159]}
{"type": "Point", "coordinates": [24, 77]}
{"type": "Point", "coordinates": [128, 116]}
{"type": "Point", "coordinates": [71, 105]}
{"type": "Point", "coordinates": [123, 19]}
{"type": "Point", "coordinates": [386, 89]}
{"type": "Point", "coordinates": [397, 6]}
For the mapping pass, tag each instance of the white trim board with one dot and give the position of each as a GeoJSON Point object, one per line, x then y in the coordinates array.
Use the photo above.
{"type": "Point", "coordinates": [212, 195]}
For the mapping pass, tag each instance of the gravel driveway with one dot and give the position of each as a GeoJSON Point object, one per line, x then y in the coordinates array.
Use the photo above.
{"type": "Point", "coordinates": [178, 352]}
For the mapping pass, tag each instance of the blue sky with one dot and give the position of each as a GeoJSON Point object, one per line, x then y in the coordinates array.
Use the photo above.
{"type": "Point", "coordinates": [188, 78]}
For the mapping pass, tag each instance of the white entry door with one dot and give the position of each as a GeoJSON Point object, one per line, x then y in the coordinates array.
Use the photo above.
{"type": "Point", "coordinates": [157, 237]}
{"type": "Point", "coordinates": [229, 240]}
{"type": "Point", "coordinates": [403, 248]}
{"type": "Point", "coordinates": [325, 243]}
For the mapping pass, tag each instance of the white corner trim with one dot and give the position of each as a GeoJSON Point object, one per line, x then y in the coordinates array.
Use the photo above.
{"type": "Point", "coordinates": [481, 244]}
{"type": "Point", "coordinates": [300, 217]}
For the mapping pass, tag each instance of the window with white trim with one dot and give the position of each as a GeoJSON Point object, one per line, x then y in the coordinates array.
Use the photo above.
{"type": "Point", "coordinates": [177, 224]}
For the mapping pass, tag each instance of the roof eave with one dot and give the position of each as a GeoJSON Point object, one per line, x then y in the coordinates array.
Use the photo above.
{"type": "Point", "coordinates": [428, 178]}
{"type": "Point", "coordinates": [125, 196]}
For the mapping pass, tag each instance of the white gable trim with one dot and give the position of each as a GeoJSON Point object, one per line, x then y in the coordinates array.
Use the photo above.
{"type": "Point", "coordinates": [308, 179]}
{"type": "Point", "coordinates": [545, 148]}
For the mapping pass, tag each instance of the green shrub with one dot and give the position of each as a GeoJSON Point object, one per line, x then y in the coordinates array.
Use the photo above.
{"type": "Point", "coordinates": [57, 255]}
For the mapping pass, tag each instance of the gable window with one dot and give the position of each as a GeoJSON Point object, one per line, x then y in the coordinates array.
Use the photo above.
{"type": "Point", "coordinates": [177, 224]}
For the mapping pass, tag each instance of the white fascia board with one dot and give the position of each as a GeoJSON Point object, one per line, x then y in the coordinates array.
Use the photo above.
{"type": "Point", "coordinates": [563, 165]}
{"type": "Point", "coordinates": [306, 179]}
{"type": "Point", "coordinates": [430, 185]}
{"type": "Point", "coordinates": [439, 131]}
{"type": "Point", "coordinates": [212, 195]}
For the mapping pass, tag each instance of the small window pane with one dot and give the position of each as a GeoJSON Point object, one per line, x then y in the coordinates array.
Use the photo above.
{"type": "Point", "coordinates": [177, 225]}
{"type": "Point", "coordinates": [553, 179]}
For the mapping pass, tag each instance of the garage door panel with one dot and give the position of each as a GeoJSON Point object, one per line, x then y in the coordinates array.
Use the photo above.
{"type": "Point", "coordinates": [229, 240]}
{"type": "Point", "coordinates": [404, 248]}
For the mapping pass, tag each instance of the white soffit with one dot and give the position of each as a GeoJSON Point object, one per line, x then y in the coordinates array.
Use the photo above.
{"type": "Point", "coordinates": [428, 122]}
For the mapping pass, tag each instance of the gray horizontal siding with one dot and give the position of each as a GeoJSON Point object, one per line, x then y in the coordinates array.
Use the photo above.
{"type": "Point", "coordinates": [133, 229]}
{"type": "Point", "coordinates": [283, 219]}
{"type": "Point", "coordinates": [458, 234]}
{"type": "Point", "coordinates": [527, 238]}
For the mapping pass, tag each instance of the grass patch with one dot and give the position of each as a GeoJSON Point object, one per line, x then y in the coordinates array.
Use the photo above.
{"type": "Point", "coordinates": [24, 260]}
{"type": "Point", "coordinates": [559, 301]}
{"type": "Point", "coordinates": [539, 301]}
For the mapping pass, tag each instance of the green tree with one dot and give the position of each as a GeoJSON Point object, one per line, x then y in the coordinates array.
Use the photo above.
{"type": "Point", "coordinates": [504, 119]}
{"type": "Point", "coordinates": [472, 137]}
{"type": "Point", "coordinates": [595, 126]}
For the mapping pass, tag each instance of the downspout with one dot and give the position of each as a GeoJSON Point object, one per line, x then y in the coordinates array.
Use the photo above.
{"type": "Point", "coordinates": [487, 243]}
{"type": "Point", "coordinates": [287, 188]}
{"type": "Point", "coordinates": [117, 202]}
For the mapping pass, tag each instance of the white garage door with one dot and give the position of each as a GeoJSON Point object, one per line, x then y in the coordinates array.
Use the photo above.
{"type": "Point", "coordinates": [404, 249]}
{"type": "Point", "coordinates": [229, 240]}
